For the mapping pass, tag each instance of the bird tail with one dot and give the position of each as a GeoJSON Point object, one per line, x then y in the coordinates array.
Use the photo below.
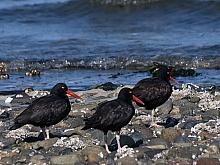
{"type": "Point", "coordinates": [16, 126]}
{"type": "Point", "coordinates": [90, 122]}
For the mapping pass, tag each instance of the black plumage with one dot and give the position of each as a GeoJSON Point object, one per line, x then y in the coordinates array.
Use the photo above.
{"type": "Point", "coordinates": [47, 110]}
{"type": "Point", "coordinates": [113, 115]}
{"type": "Point", "coordinates": [156, 90]}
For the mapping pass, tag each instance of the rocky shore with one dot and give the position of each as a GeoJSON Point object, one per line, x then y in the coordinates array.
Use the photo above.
{"type": "Point", "coordinates": [189, 132]}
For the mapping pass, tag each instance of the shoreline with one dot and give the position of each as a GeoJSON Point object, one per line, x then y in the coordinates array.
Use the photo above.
{"type": "Point", "coordinates": [194, 138]}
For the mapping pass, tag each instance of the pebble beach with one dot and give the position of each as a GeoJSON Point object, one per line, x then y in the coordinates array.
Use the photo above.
{"type": "Point", "coordinates": [189, 132]}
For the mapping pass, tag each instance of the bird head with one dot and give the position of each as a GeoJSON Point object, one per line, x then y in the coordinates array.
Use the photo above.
{"type": "Point", "coordinates": [62, 89]}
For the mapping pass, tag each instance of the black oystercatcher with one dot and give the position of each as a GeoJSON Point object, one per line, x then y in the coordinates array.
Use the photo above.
{"type": "Point", "coordinates": [113, 115]}
{"type": "Point", "coordinates": [47, 110]}
{"type": "Point", "coordinates": [154, 91]}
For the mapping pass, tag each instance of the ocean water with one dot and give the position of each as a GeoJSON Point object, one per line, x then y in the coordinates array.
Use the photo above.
{"type": "Point", "coordinates": [84, 43]}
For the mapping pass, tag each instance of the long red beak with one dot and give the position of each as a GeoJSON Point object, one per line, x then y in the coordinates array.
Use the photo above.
{"type": "Point", "coordinates": [174, 80]}
{"type": "Point", "coordinates": [137, 100]}
{"type": "Point", "coordinates": [73, 94]}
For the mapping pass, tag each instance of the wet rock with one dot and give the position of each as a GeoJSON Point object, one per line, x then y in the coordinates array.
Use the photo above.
{"type": "Point", "coordinates": [109, 86]}
{"type": "Point", "coordinates": [66, 159]}
{"type": "Point", "coordinates": [4, 76]}
{"type": "Point", "coordinates": [33, 72]}
{"type": "Point", "coordinates": [94, 154]}
{"type": "Point", "coordinates": [22, 98]}
{"type": "Point", "coordinates": [170, 134]}
{"type": "Point", "coordinates": [127, 161]}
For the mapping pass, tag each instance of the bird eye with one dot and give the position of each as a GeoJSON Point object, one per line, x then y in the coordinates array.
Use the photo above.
{"type": "Point", "coordinates": [62, 87]}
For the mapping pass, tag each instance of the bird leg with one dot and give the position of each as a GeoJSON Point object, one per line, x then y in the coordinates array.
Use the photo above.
{"type": "Point", "coordinates": [153, 123]}
{"type": "Point", "coordinates": [45, 133]}
{"type": "Point", "coordinates": [117, 136]}
{"type": "Point", "coordinates": [106, 144]}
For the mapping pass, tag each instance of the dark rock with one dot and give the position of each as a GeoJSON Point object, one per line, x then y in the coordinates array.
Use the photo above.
{"type": "Point", "coordinates": [137, 137]}
{"type": "Point", "coordinates": [145, 132]}
{"type": "Point", "coordinates": [176, 71]}
{"type": "Point", "coordinates": [170, 122]}
{"type": "Point", "coordinates": [124, 140]}
{"type": "Point", "coordinates": [107, 86]}
{"type": "Point", "coordinates": [22, 98]}
{"type": "Point", "coordinates": [189, 124]}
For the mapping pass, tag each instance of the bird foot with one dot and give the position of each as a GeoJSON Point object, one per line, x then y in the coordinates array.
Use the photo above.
{"type": "Point", "coordinates": [124, 151]}
{"type": "Point", "coordinates": [154, 125]}
{"type": "Point", "coordinates": [106, 148]}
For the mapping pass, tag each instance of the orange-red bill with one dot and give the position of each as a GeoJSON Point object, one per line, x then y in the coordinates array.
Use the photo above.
{"type": "Point", "coordinates": [173, 79]}
{"type": "Point", "coordinates": [73, 94]}
{"type": "Point", "coordinates": [137, 100]}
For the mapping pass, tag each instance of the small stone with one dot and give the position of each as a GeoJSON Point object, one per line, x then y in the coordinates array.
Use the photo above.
{"type": "Point", "coordinates": [38, 159]}
{"type": "Point", "coordinates": [169, 134]}
{"type": "Point", "coordinates": [213, 149]}
{"type": "Point", "coordinates": [217, 98]}
{"type": "Point", "coordinates": [194, 99]}
{"type": "Point", "coordinates": [157, 143]}
{"type": "Point", "coordinates": [127, 161]}
{"type": "Point", "coordinates": [66, 159]}
{"type": "Point", "coordinates": [94, 154]}
{"type": "Point", "coordinates": [46, 144]}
